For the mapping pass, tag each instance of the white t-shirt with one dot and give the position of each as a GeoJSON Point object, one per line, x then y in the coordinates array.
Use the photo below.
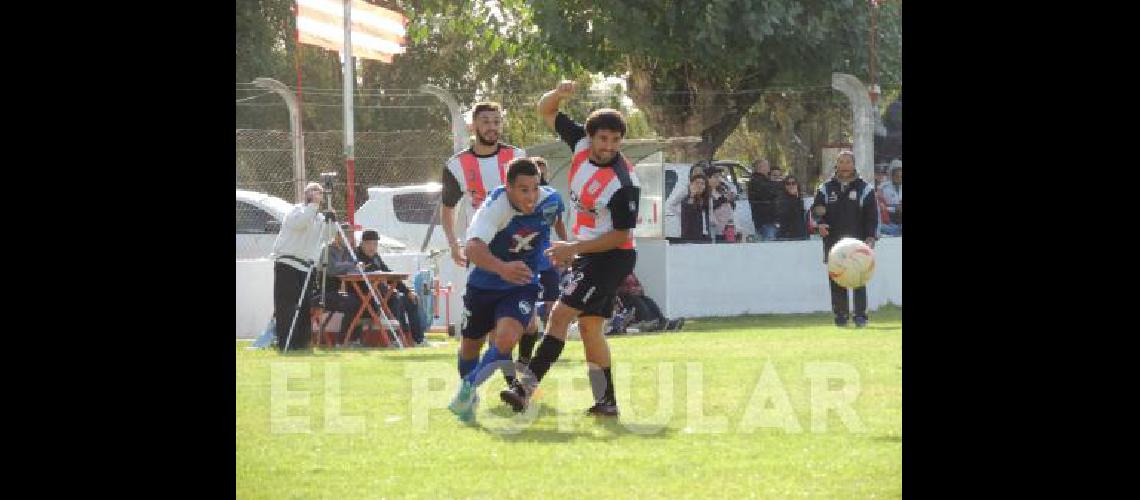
{"type": "Point", "coordinates": [300, 235]}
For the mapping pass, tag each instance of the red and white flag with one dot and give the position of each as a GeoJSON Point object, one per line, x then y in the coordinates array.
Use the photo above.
{"type": "Point", "coordinates": [377, 33]}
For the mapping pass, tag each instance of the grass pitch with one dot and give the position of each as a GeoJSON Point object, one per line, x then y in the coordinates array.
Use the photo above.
{"type": "Point", "coordinates": [758, 406]}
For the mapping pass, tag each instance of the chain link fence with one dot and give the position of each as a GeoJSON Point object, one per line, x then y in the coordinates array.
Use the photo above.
{"type": "Point", "coordinates": [404, 138]}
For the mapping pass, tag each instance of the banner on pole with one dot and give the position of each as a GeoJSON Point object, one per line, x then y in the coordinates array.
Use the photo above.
{"type": "Point", "coordinates": [377, 33]}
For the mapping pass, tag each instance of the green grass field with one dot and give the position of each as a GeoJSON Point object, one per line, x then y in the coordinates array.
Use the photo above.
{"type": "Point", "coordinates": [732, 407]}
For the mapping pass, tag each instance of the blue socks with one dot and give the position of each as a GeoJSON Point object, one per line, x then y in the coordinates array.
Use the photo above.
{"type": "Point", "coordinates": [467, 365]}
{"type": "Point", "coordinates": [479, 373]}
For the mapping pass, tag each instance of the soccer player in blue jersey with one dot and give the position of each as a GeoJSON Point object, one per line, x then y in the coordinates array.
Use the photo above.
{"type": "Point", "coordinates": [548, 280]}
{"type": "Point", "coordinates": [504, 243]}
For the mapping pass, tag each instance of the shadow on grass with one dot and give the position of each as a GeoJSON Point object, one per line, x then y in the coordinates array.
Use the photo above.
{"type": "Point", "coordinates": [584, 427]}
{"type": "Point", "coordinates": [408, 353]}
{"type": "Point", "coordinates": [880, 327]}
{"type": "Point", "coordinates": [888, 439]}
{"type": "Point", "coordinates": [446, 355]}
{"type": "Point", "coordinates": [887, 313]}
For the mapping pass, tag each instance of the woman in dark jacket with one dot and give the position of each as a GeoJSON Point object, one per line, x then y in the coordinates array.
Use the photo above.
{"type": "Point", "coordinates": [694, 211]}
{"type": "Point", "coordinates": [792, 216]}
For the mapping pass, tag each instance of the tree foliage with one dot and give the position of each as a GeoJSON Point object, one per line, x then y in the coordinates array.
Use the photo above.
{"type": "Point", "coordinates": [693, 67]}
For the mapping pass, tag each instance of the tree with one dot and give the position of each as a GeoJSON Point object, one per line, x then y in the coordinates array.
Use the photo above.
{"type": "Point", "coordinates": [692, 64]}
{"type": "Point", "coordinates": [260, 28]}
{"type": "Point", "coordinates": [693, 67]}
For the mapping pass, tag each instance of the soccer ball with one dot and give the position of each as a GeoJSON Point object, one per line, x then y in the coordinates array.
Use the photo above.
{"type": "Point", "coordinates": [850, 263]}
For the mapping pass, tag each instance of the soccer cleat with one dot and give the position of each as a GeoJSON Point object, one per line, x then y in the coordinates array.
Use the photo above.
{"type": "Point", "coordinates": [465, 402]}
{"type": "Point", "coordinates": [841, 321]}
{"type": "Point", "coordinates": [603, 409]}
{"type": "Point", "coordinates": [516, 396]}
{"type": "Point", "coordinates": [860, 321]}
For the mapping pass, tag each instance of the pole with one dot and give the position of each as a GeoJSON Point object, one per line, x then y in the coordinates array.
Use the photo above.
{"type": "Point", "coordinates": [862, 121]}
{"type": "Point", "coordinates": [294, 129]}
{"type": "Point", "coordinates": [874, 31]}
{"type": "Point", "coordinates": [458, 128]}
{"type": "Point", "coordinates": [349, 151]}
{"type": "Point", "coordinates": [458, 143]}
{"type": "Point", "coordinates": [298, 134]}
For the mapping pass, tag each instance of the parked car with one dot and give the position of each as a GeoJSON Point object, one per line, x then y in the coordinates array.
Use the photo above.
{"type": "Point", "coordinates": [259, 219]}
{"type": "Point", "coordinates": [404, 213]}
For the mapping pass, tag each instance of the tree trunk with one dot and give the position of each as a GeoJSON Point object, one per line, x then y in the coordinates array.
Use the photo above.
{"type": "Point", "coordinates": [682, 102]}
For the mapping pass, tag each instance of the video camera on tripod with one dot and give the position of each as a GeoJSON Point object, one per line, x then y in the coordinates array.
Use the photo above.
{"type": "Point", "coordinates": [327, 180]}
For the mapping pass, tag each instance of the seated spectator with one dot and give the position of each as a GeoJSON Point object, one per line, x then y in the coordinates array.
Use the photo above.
{"type": "Point", "coordinates": [723, 204]}
{"type": "Point", "coordinates": [892, 199]}
{"type": "Point", "coordinates": [882, 174]}
{"type": "Point", "coordinates": [691, 204]}
{"type": "Point", "coordinates": [681, 190]}
{"type": "Point", "coordinates": [638, 310]}
{"type": "Point", "coordinates": [885, 226]}
{"type": "Point", "coordinates": [790, 210]}
{"type": "Point", "coordinates": [404, 304]}
{"type": "Point", "coordinates": [338, 297]}
{"type": "Point", "coordinates": [678, 195]}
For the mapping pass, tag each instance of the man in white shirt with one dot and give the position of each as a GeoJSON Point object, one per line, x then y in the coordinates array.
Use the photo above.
{"type": "Point", "coordinates": [296, 247]}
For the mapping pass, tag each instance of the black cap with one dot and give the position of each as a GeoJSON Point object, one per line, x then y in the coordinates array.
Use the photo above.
{"type": "Point", "coordinates": [370, 235]}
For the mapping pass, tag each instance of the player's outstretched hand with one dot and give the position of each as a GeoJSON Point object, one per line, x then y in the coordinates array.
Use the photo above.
{"type": "Point", "coordinates": [560, 252]}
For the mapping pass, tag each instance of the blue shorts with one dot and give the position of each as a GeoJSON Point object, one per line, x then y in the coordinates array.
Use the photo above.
{"type": "Point", "coordinates": [483, 308]}
{"type": "Point", "coordinates": [548, 285]}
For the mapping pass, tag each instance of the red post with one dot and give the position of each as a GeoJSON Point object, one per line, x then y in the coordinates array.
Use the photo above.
{"type": "Point", "coordinates": [435, 303]}
{"type": "Point", "coordinates": [350, 168]}
{"type": "Point", "coordinates": [447, 317]}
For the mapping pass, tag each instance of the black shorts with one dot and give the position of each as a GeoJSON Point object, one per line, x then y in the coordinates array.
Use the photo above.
{"type": "Point", "coordinates": [591, 283]}
{"type": "Point", "coordinates": [548, 287]}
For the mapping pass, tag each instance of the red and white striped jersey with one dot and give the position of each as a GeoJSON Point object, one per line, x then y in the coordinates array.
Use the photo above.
{"type": "Point", "coordinates": [593, 188]}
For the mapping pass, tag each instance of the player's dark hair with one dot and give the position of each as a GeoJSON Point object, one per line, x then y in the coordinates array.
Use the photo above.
{"type": "Point", "coordinates": [520, 166]}
{"type": "Point", "coordinates": [605, 118]}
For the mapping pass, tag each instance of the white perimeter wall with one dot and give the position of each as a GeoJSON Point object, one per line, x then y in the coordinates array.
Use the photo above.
{"type": "Point", "coordinates": [685, 280]}
{"type": "Point", "coordinates": [254, 296]}
{"type": "Point", "coordinates": [754, 278]}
